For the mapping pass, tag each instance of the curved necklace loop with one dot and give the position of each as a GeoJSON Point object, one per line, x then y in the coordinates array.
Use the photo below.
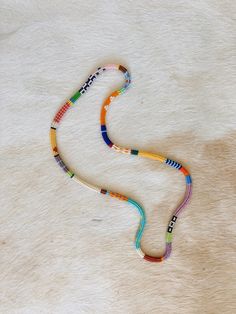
{"type": "Point", "coordinates": [139, 153]}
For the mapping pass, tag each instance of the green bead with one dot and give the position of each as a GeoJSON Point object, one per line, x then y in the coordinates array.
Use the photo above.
{"type": "Point", "coordinates": [75, 96]}
{"type": "Point", "coordinates": [168, 237]}
{"type": "Point", "coordinates": [70, 173]}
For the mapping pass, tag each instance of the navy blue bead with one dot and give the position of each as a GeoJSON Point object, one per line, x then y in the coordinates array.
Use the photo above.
{"type": "Point", "coordinates": [103, 128]}
{"type": "Point", "coordinates": [106, 138]}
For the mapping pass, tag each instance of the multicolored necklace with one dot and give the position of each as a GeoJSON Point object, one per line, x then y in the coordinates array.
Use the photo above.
{"type": "Point", "coordinates": [139, 153]}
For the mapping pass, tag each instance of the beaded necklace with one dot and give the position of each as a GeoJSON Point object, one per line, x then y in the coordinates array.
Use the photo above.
{"type": "Point", "coordinates": [139, 153]}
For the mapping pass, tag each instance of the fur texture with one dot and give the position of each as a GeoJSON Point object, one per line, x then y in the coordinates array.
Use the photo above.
{"type": "Point", "coordinates": [64, 249]}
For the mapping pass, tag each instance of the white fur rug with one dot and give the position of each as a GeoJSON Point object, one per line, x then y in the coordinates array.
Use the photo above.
{"type": "Point", "coordinates": [66, 250]}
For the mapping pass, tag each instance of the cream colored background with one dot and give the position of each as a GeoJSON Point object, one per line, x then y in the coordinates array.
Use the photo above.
{"type": "Point", "coordinates": [64, 249]}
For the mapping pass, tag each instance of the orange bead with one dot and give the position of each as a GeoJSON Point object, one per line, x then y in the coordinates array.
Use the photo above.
{"type": "Point", "coordinates": [184, 171]}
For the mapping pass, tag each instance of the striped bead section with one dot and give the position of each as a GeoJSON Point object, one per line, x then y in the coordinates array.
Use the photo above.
{"type": "Point", "coordinates": [173, 163]}
{"type": "Point", "coordinates": [62, 111]}
{"type": "Point", "coordinates": [171, 224]}
{"type": "Point", "coordinates": [90, 80]}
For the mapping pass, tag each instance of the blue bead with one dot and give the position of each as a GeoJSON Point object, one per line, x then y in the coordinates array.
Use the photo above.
{"type": "Point", "coordinates": [188, 180]}
{"type": "Point", "coordinates": [106, 138]}
{"type": "Point", "coordinates": [103, 128]}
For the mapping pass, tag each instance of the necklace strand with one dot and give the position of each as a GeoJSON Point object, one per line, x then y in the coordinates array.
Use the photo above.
{"type": "Point", "coordinates": [139, 153]}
